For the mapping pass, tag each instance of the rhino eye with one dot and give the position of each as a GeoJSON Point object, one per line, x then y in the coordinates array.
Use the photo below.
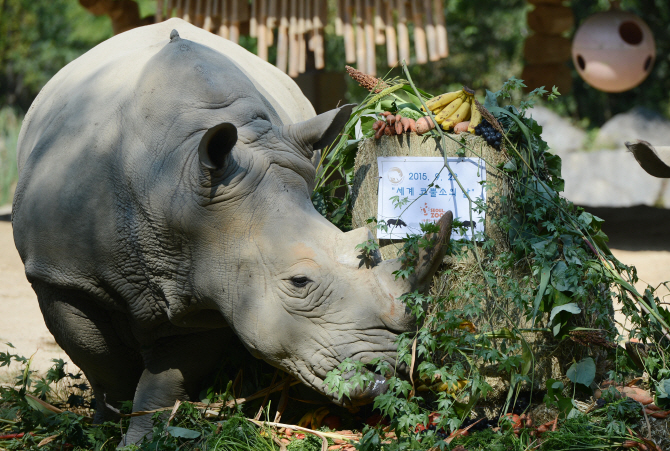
{"type": "Point", "coordinates": [300, 281]}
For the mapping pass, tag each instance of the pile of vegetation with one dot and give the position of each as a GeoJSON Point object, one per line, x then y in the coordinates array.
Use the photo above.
{"type": "Point", "coordinates": [557, 277]}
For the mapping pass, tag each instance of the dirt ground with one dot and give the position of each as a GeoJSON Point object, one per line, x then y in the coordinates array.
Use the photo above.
{"type": "Point", "coordinates": [639, 236]}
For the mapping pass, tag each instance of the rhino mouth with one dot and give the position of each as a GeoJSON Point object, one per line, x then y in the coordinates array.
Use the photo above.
{"type": "Point", "coordinates": [378, 385]}
{"type": "Point", "coordinates": [366, 394]}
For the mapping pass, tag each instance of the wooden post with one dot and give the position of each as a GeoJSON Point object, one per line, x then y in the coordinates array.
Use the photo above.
{"type": "Point", "coordinates": [302, 45]}
{"type": "Point", "coordinates": [187, 11]}
{"type": "Point", "coordinates": [348, 29]}
{"type": "Point", "coordinates": [391, 42]}
{"type": "Point", "coordinates": [199, 13]}
{"type": "Point", "coordinates": [180, 9]}
{"type": "Point", "coordinates": [159, 11]}
{"type": "Point", "coordinates": [419, 35]}
{"type": "Point", "coordinates": [339, 12]}
{"type": "Point", "coordinates": [431, 36]}
{"type": "Point", "coordinates": [271, 21]}
{"type": "Point", "coordinates": [309, 26]}
{"type": "Point", "coordinates": [282, 37]}
{"type": "Point", "coordinates": [224, 26]}
{"type": "Point", "coordinates": [319, 59]}
{"type": "Point", "coordinates": [253, 20]}
{"type": "Point", "coordinates": [293, 49]}
{"type": "Point", "coordinates": [380, 39]}
{"type": "Point", "coordinates": [209, 23]}
{"type": "Point", "coordinates": [234, 31]}
{"type": "Point", "coordinates": [262, 47]}
{"type": "Point", "coordinates": [361, 60]}
{"type": "Point", "coordinates": [370, 39]}
{"type": "Point", "coordinates": [403, 33]}
{"type": "Point", "coordinates": [441, 29]}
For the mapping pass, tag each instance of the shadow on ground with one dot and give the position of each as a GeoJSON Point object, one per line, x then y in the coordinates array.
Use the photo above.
{"type": "Point", "coordinates": [638, 228]}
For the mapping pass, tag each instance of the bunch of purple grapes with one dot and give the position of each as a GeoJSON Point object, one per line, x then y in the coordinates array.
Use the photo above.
{"type": "Point", "coordinates": [490, 134]}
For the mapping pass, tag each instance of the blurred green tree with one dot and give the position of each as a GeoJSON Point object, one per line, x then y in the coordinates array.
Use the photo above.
{"type": "Point", "coordinates": [37, 38]}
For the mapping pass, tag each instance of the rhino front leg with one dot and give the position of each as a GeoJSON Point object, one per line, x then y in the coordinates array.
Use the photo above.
{"type": "Point", "coordinates": [175, 368]}
{"type": "Point", "coordinates": [98, 341]}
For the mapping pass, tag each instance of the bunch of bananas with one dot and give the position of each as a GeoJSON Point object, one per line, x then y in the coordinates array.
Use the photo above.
{"type": "Point", "coordinates": [452, 108]}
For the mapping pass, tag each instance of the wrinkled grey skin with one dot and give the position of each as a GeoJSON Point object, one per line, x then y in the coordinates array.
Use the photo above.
{"type": "Point", "coordinates": [161, 213]}
{"type": "Point", "coordinates": [654, 160]}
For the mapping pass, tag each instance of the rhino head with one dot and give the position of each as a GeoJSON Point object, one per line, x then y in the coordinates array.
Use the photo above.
{"type": "Point", "coordinates": [302, 297]}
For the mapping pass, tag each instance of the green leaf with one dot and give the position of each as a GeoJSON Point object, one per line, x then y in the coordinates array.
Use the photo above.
{"type": "Point", "coordinates": [39, 407]}
{"type": "Point", "coordinates": [662, 398]}
{"type": "Point", "coordinates": [544, 281]}
{"type": "Point", "coordinates": [582, 372]}
{"type": "Point", "coordinates": [565, 406]}
{"type": "Point", "coordinates": [491, 100]}
{"type": "Point", "coordinates": [527, 355]}
{"type": "Point", "coordinates": [366, 125]}
{"type": "Point", "coordinates": [571, 307]}
{"type": "Point", "coordinates": [176, 431]}
{"type": "Point", "coordinates": [510, 166]}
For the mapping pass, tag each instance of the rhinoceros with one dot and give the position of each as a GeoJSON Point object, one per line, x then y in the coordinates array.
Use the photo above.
{"type": "Point", "coordinates": [163, 214]}
{"type": "Point", "coordinates": [654, 160]}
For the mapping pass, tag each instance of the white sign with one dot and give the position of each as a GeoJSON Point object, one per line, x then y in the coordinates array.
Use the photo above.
{"type": "Point", "coordinates": [406, 197]}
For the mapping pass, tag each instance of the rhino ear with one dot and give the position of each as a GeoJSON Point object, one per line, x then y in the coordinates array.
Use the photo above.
{"type": "Point", "coordinates": [216, 144]}
{"type": "Point", "coordinates": [321, 131]}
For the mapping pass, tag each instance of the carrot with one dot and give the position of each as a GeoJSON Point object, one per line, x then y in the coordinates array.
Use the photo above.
{"type": "Point", "coordinates": [424, 124]}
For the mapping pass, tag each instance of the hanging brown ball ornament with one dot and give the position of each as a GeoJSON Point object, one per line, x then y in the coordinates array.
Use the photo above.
{"type": "Point", "coordinates": [613, 51]}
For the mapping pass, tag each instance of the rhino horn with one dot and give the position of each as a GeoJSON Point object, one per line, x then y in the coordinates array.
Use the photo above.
{"type": "Point", "coordinates": [430, 258]}
{"type": "Point", "coordinates": [653, 160]}
{"type": "Point", "coordinates": [322, 130]}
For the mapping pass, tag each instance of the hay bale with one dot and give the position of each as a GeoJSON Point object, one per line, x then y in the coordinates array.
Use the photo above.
{"type": "Point", "coordinates": [497, 312]}
{"type": "Point", "coordinates": [364, 193]}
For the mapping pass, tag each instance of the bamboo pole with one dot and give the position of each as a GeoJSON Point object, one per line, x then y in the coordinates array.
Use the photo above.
{"type": "Point", "coordinates": [180, 9]}
{"type": "Point", "coordinates": [349, 38]}
{"type": "Point", "coordinates": [319, 58]}
{"type": "Point", "coordinates": [391, 42]}
{"type": "Point", "coordinates": [209, 23]}
{"type": "Point", "coordinates": [282, 37]}
{"type": "Point", "coordinates": [169, 8]}
{"type": "Point", "coordinates": [441, 29]}
{"type": "Point", "coordinates": [224, 26]}
{"type": "Point", "coordinates": [234, 30]}
{"type": "Point", "coordinates": [380, 39]}
{"type": "Point", "coordinates": [431, 36]}
{"type": "Point", "coordinates": [419, 35]}
{"type": "Point", "coordinates": [361, 60]}
{"type": "Point", "coordinates": [294, 45]}
{"type": "Point", "coordinates": [262, 46]}
{"type": "Point", "coordinates": [371, 64]}
{"type": "Point", "coordinates": [159, 11]}
{"type": "Point", "coordinates": [187, 11]}
{"type": "Point", "coordinates": [403, 33]}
